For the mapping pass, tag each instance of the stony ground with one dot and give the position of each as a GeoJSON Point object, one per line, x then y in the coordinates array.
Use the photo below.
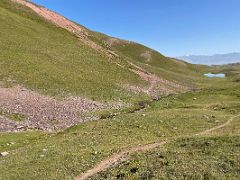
{"type": "Point", "coordinates": [157, 85]}
{"type": "Point", "coordinates": [43, 112]}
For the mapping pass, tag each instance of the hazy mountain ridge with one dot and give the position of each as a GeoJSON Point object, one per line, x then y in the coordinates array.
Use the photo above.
{"type": "Point", "coordinates": [216, 59]}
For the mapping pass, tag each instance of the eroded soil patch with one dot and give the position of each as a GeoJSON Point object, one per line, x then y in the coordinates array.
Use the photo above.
{"type": "Point", "coordinates": [43, 112]}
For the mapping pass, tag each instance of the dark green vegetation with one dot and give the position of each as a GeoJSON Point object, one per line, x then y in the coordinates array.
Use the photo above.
{"type": "Point", "coordinates": [43, 57]}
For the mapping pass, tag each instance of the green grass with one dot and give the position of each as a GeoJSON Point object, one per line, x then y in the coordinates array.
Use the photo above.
{"type": "Point", "coordinates": [193, 158]}
{"type": "Point", "coordinates": [210, 157]}
{"type": "Point", "coordinates": [165, 67]}
{"type": "Point", "coordinates": [12, 141]}
{"type": "Point", "coordinates": [168, 68]}
{"type": "Point", "coordinates": [51, 60]}
{"type": "Point", "coordinates": [68, 154]}
{"type": "Point", "coordinates": [13, 116]}
{"type": "Point", "coordinates": [43, 57]}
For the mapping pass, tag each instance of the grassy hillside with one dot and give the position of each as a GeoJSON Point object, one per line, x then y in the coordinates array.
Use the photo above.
{"type": "Point", "coordinates": [43, 57]}
{"type": "Point", "coordinates": [152, 60]}
{"type": "Point", "coordinates": [39, 55]}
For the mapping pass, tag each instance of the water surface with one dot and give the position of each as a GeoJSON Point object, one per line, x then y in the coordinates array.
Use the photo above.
{"type": "Point", "coordinates": [211, 75]}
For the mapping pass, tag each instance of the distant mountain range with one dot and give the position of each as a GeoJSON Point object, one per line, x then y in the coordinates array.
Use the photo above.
{"type": "Point", "coordinates": [216, 59]}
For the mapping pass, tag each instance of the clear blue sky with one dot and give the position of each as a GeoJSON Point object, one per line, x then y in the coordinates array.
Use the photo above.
{"type": "Point", "coordinates": [173, 27]}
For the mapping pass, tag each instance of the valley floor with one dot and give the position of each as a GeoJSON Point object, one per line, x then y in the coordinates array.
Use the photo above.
{"type": "Point", "coordinates": [176, 119]}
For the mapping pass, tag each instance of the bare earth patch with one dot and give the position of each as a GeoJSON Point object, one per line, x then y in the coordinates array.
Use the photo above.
{"type": "Point", "coordinates": [43, 112]}
{"type": "Point", "coordinates": [60, 21]}
{"type": "Point", "coordinates": [7, 125]}
{"type": "Point", "coordinates": [157, 86]}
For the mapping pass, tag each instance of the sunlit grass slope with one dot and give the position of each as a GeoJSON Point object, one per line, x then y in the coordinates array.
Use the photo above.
{"type": "Point", "coordinates": [41, 56]}
{"type": "Point", "coordinates": [152, 60]}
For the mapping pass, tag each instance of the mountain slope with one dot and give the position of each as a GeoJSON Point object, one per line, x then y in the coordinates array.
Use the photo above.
{"type": "Point", "coordinates": [42, 56]}
{"type": "Point", "coordinates": [39, 54]}
{"type": "Point", "coordinates": [53, 76]}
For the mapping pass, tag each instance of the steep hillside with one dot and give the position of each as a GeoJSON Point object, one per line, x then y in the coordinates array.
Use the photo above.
{"type": "Point", "coordinates": [77, 104]}
{"type": "Point", "coordinates": [38, 53]}
{"type": "Point", "coordinates": [150, 59]}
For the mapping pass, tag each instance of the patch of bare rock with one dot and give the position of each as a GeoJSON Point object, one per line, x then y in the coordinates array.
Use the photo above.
{"type": "Point", "coordinates": [157, 85]}
{"type": "Point", "coordinates": [44, 112]}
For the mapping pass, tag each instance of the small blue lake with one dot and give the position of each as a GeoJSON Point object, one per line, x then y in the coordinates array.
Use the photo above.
{"type": "Point", "coordinates": [211, 75]}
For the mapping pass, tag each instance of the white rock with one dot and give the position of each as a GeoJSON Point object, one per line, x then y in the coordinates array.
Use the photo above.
{"type": "Point", "coordinates": [4, 153]}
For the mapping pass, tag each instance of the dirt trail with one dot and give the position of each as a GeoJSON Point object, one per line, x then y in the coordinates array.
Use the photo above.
{"type": "Point", "coordinates": [123, 156]}
{"type": "Point", "coordinates": [117, 159]}
{"type": "Point", "coordinates": [217, 127]}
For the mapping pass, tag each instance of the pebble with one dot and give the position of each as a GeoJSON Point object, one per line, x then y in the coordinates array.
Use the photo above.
{"type": "Point", "coordinates": [4, 153]}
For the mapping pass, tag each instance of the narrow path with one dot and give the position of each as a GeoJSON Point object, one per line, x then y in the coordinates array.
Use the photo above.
{"type": "Point", "coordinates": [217, 127]}
{"type": "Point", "coordinates": [117, 159]}
{"type": "Point", "coordinates": [123, 156]}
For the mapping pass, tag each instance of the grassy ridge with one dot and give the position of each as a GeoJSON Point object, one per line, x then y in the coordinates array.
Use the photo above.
{"type": "Point", "coordinates": [168, 68]}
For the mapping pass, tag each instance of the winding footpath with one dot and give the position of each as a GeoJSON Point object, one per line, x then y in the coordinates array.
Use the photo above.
{"type": "Point", "coordinates": [123, 156]}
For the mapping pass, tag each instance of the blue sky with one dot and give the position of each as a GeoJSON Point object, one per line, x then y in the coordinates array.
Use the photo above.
{"type": "Point", "coordinates": [173, 27]}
